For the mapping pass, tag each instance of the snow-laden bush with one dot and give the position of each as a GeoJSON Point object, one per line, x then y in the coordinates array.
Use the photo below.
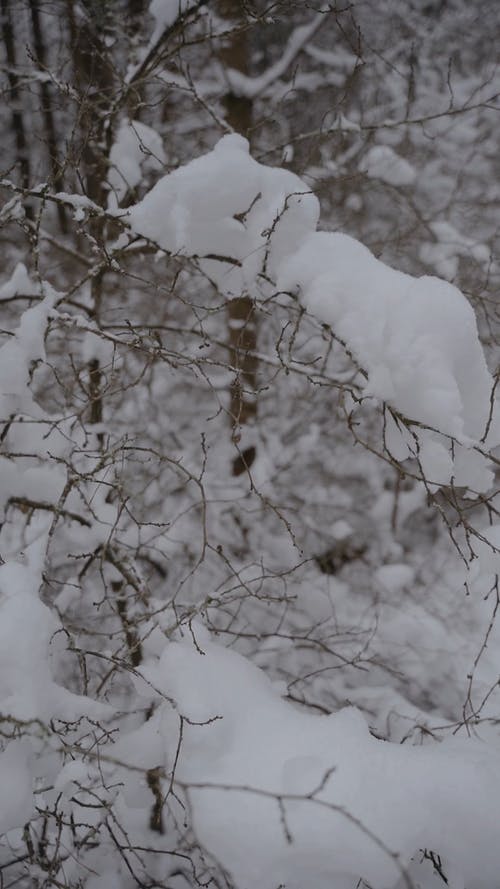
{"type": "Point", "coordinates": [194, 754]}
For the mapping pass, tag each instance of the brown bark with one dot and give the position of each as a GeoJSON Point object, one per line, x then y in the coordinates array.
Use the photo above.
{"type": "Point", "coordinates": [15, 98]}
{"type": "Point", "coordinates": [136, 10]}
{"type": "Point", "coordinates": [94, 80]}
{"type": "Point", "coordinates": [241, 315]}
{"type": "Point", "coordinates": [134, 645]}
{"type": "Point", "coordinates": [47, 113]}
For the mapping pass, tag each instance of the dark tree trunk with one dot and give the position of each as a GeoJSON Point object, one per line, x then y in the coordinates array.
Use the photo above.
{"type": "Point", "coordinates": [55, 166]}
{"type": "Point", "coordinates": [15, 98]}
{"type": "Point", "coordinates": [94, 81]}
{"type": "Point", "coordinates": [242, 320]}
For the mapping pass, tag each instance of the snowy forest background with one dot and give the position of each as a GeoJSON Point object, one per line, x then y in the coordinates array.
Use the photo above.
{"type": "Point", "coordinates": [231, 442]}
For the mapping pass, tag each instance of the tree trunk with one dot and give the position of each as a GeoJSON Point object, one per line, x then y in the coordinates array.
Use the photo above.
{"type": "Point", "coordinates": [48, 117]}
{"type": "Point", "coordinates": [15, 99]}
{"type": "Point", "coordinates": [241, 316]}
{"type": "Point", "coordinates": [94, 80]}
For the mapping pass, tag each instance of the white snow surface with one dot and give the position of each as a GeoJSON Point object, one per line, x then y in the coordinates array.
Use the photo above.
{"type": "Point", "coordinates": [410, 334]}
{"type": "Point", "coordinates": [416, 338]}
{"type": "Point", "coordinates": [321, 799]}
{"type": "Point", "coordinates": [18, 283]}
{"type": "Point", "coordinates": [394, 577]}
{"type": "Point", "coordinates": [137, 147]}
{"type": "Point", "coordinates": [24, 346]}
{"type": "Point", "coordinates": [16, 798]}
{"type": "Point", "coordinates": [193, 211]}
{"type": "Point", "coordinates": [382, 162]}
{"type": "Point", "coordinates": [28, 629]}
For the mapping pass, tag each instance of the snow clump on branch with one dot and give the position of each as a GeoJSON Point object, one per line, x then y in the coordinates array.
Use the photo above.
{"type": "Point", "coordinates": [253, 226]}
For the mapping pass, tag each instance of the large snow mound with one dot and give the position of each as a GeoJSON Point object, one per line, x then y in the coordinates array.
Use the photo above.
{"type": "Point", "coordinates": [416, 337]}
{"type": "Point", "coordinates": [319, 797]}
{"type": "Point", "coordinates": [250, 226]}
{"type": "Point", "coordinates": [226, 204]}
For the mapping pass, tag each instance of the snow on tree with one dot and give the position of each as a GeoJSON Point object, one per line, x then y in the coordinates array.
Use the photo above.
{"type": "Point", "coordinates": [416, 339]}
{"type": "Point", "coordinates": [285, 675]}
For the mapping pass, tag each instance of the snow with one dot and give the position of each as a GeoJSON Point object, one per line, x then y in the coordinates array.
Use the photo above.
{"type": "Point", "coordinates": [79, 202]}
{"type": "Point", "coordinates": [341, 530]}
{"type": "Point", "coordinates": [193, 211]}
{"type": "Point", "coordinates": [354, 202]}
{"type": "Point", "coordinates": [25, 346]}
{"type": "Point", "coordinates": [16, 798]}
{"type": "Point", "coordinates": [436, 462]}
{"type": "Point", "coordinates": [416, 338]}
{"type": "Point", "coordinates": [95, 347]}
{"type": "Point", "coordinates": [38, 483]}
{"type": "Point", "coordinates": [444, 253]}
{"type": "Point", "coordinates": [382, 162]}
{"type": "Point", "coordinates": [324, 801]}
{"type": "Point", "coordinates": [320, 798]}
{"type": "Point", "coordinates": [137, 147]}
{"type": "Point", "coordinates": [18, 283]}
{"type": "Point", "coordinates": [410, 334]}
{"type": "Point", "coordinates": [486, 547]}
{"type": "Point", "coordinates": [395, 577]}
{"type": "Point", "coordinates": [165, 13]}
{"type": "Point", "coordinates": [28, 628]}
{"type": "Point", "coordinates": [276, 794]}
